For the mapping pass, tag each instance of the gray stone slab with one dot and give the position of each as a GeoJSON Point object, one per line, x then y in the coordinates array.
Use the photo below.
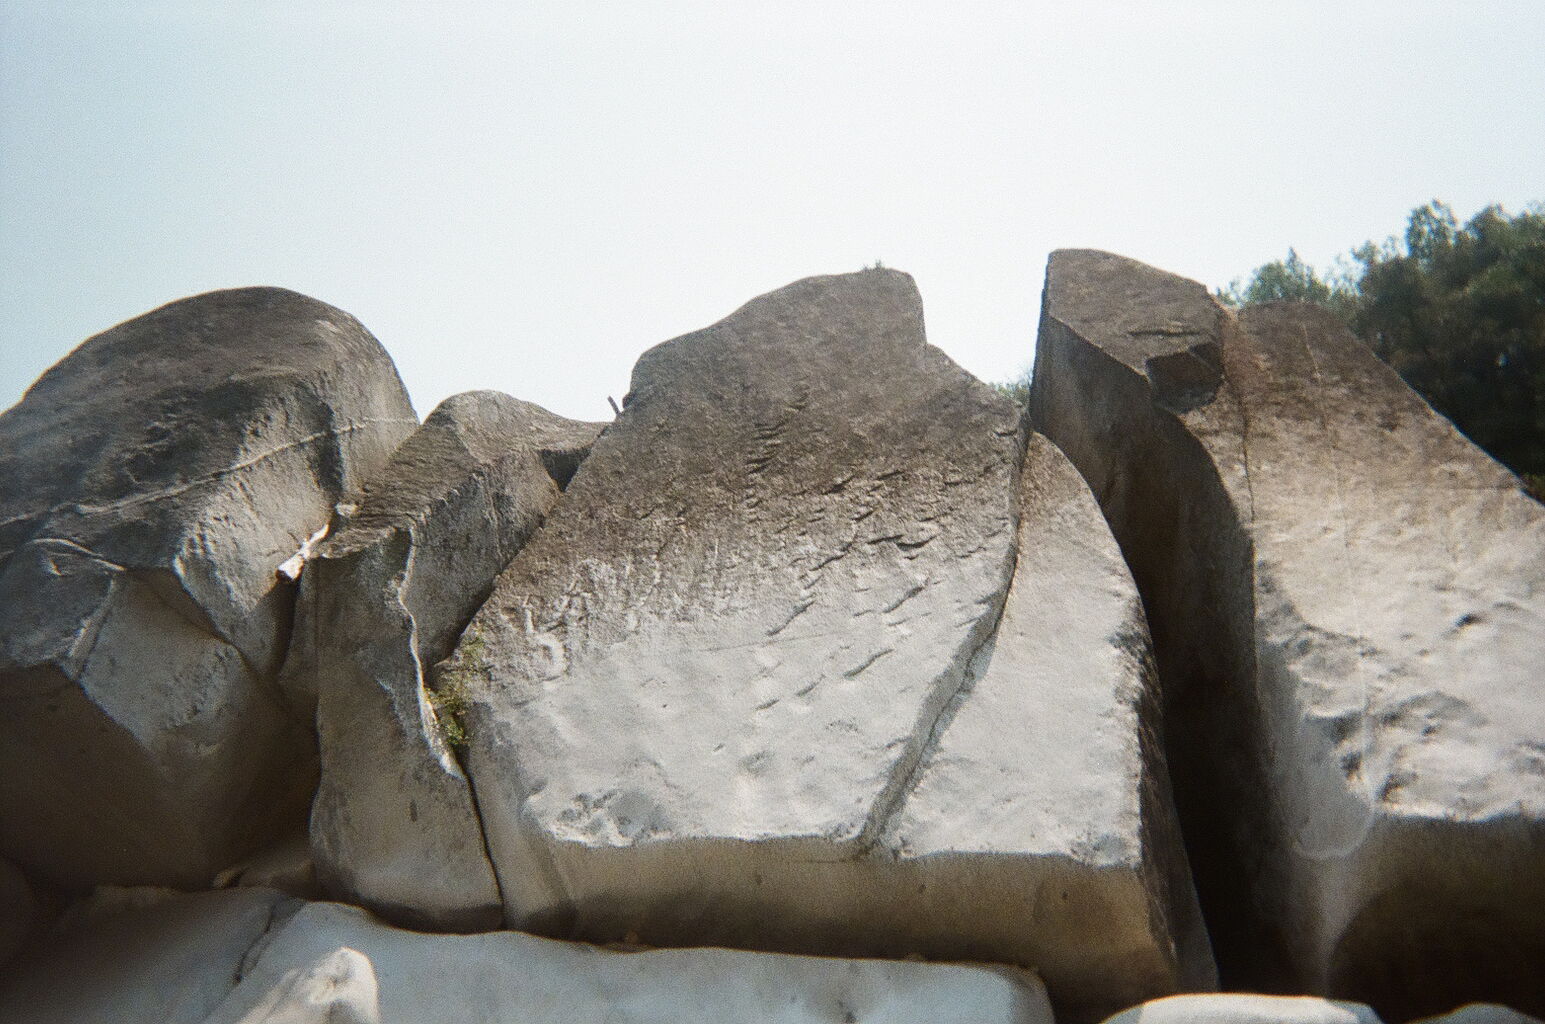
{"type": "Point", "coordinates": [1348, 606]}
{"type": "Point", "coordinates": [331, 963]}
{"type": "Point", "coordinates": [713, 698]}
{"type": "Point", "coordinates": [394, 826]}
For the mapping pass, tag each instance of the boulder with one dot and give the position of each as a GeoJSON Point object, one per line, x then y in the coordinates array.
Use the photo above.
{"type": "Point", "coordinates": [1245, 1008]}
{"type": "Point", "coordinates": [393, 826]}
{"type": "Point", "coordinates": [140, 955]}
{"type": "Point", "coordinates": [743, 688]}
{"type": "Point", "coordinates": [151, 482]}
{"type": "Point", "coordinates": [1481, 1013]}
{"type": "Point", "coordinates": [331, 963]}
{"type": "Point", "coordinates": [1348, 607]}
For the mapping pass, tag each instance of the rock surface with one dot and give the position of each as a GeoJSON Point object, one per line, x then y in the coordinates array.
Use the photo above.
{"type": "Point", "coordinates": [139, 956]}
{"type": "Point", "coordinates": [150, 484]}
{"type": "Point", "coordinates": [715, 699]}
{"type": "Point", "coordinates": [254, 956]}
{"type": "Point", "coordinates": [1241, 1008]}
{"type": "Point", "coordinates": [331, 962]}
{"type": "Point", "coordinates": [394, 826]}
{"type": "Point", "coordinates": [1348, 607]}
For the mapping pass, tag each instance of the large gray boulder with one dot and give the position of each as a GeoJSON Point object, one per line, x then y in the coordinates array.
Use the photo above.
{"type": "Point", "coordinates": [394, 826]}
{"type": "Point", "coordinates": [1348, 607]}
{"type": "Point", "coordinates": [151, 483]}
{"type": "Point", "coordinates": [743, 689]}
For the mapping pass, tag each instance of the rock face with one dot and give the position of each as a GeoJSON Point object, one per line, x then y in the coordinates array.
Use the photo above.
{"type": "Point", "coordinates": [1348, 608]}
{"type": "Point", "coordinates": [743, 689]}
{"type": "Point", "coordinates": [253, 956]}
{"type": "Point", "coordinates": [150, 484]}
{"type": "Point", "coordinates": [394, 826]}
{"type": "Point", "coordinates": [330, 962]}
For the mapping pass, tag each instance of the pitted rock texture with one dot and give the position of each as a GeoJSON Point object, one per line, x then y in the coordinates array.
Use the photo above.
{"type": "Point", "coordinates": [150, 484]}
{"type": "Point", "coordinates": [713, 698]}
{"type": "Point", "coordinates": [330, 963]}
{"type": "Point", "coordinates": [1348, 607]}
{"type": "Point", "coordinates": [394, 826]}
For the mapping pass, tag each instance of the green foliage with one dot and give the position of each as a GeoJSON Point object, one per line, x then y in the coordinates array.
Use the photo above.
{"type": "Point", "coordinates": [1016, 389]}
{"type": "Point", "coordinates": [1292, 278]}
{"type": "Point", "coordinates": [450, 698]}
{"type": "Point", "coordinates": [1458, 311]}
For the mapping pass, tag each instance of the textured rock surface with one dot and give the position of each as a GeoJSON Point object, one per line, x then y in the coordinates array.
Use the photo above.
{"type": "Point", "coordinates": [712, 699]}
{"type": "Point", "coordinates": [331, 962]}
{"type": "Point", "coordinates": [1239, 1008]}
{"type": "Point", "coordinates": [1482, 1013]}
{"type": "Point", "coordinates": [150, 484]}
{"type": "Point", "coordinates": [1348, 607]}
{"type": "Point", "coordinates": [141, 955]}
{"type": "Point", "coordinates": [394, 826]}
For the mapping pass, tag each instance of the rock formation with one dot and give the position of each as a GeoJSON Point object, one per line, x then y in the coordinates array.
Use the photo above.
{"type": "Point", "coordinates": [150, 485]}
{"type": "Point", "coordinates": [393, 826]}
{"type": "Point", "coordinates": [1348, 607]}
{"type": "Point", "coordinates": [716, 699]}
{"type": "Point", "coordinates": [818, 652]}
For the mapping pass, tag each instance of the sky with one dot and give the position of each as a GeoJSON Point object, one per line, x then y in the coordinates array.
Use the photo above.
{"type": "Point", "coordinates": [526, 196]}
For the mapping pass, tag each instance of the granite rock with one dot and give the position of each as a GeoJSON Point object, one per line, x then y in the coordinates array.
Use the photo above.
{"type": "Point", "coordinates": [715, 700]}
{"type": "Point", "coordinates": [1348, 607]}
{"type": "Point", "coordinates": [151, 483]}
{"type": "Point", "coordinates": [394, 826]}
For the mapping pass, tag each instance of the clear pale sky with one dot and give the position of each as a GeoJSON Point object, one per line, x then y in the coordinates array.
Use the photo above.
{"type": "Point", "coordinates": [526, 196]}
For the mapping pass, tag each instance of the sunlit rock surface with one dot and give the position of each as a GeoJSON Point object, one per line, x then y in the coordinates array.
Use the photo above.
{"type": "Point", "coordinates": [394, 826]}
{"type": "Point", "coordinates": [738, 688]}
{"type": "Point", "coordinates": [1348, 606]}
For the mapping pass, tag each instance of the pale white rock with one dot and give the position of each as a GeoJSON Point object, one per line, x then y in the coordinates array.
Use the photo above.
{"type": "Point", "coordinates": [331, 963]}
{"type": "Point", "coordinates": [140, 955]}
{"type": "Point", "coordinates": [707, 693]}
{"type": "Point", "coordinates": [151, 483]}
{"type": "Point", "coordinates": [1246, 1008]}
{"type": "Point", "coordinates": [394, 826]}
{"type": "Point", "coordinates": [1348, 606]}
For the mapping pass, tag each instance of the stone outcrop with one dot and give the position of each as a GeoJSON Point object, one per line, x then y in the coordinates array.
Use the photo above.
{"type": "Point", "coordinates": [394, 826]}
{"type": "Point", "coordinates": [1348, 607]}
{"type": "Point", "coordinates": [1243, 1008]}
{"type": "Point", "coordinates": [743, 687]}
{"type": "Point", "coordinates": [253, 956]}
{"type": "Point", "coordinates": [150, 484]}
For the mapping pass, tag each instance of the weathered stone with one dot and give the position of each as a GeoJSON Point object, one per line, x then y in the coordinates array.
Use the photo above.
{"type": "Point", "coordinates": [716, 699]}
{"type": "Point", "coordinates": [141, 955]}
{"type": "Point", "coordinates": [1481, 1013]}
{"type": "Point", "coordinates": [1348, 607]}
{"type": "Point", "coordinates": [1243, 1008]}
{"type": "Point", "coordinates": [394, 826]}
{"type": "Point", "coordinates": [331, 963]}
{"type": "Point", "coordinates": [150, 484]}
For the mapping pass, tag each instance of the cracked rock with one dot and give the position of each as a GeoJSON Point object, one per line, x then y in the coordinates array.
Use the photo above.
{"type": "Point", "coordinates": [712, 699]}
{"type": "Point", "coordinates": [1348, 607]}
{"type": "Point", "coordinates": [394, 826]}
{"type": "Point", "coordinates": [151, 483]}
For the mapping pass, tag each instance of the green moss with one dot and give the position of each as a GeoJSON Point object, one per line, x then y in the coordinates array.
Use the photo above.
{"type": "Point", "coordinates": [450, 697]}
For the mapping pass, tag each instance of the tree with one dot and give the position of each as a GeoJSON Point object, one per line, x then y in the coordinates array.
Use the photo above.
{"type": "Point", "coordinates": [1459, 312]}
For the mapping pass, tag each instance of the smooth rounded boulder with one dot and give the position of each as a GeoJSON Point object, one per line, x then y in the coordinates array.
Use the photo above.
{"type": "Point", "coordinates": [151, 483]}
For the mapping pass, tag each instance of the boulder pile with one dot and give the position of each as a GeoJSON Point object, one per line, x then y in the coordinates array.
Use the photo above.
{"type": "Point", "coordinates": [825, 683]}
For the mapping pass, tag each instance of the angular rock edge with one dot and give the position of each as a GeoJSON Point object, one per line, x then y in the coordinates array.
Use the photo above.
{"type": "Point", "coordinates": [1239, 461]}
